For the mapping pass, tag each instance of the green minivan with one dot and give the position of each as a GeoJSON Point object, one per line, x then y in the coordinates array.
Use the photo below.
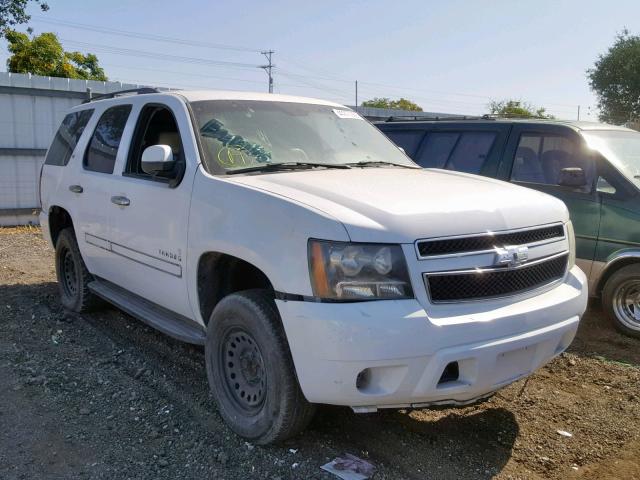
{"type": "Point", "coordinates": [594, 168]}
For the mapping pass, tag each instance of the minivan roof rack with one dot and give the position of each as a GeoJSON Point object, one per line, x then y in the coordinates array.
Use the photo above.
{"type": "Point", "coordinates": [494, 116]}
{"type": "Point", "coordinates": [119, 93]}
{"type": "Point", "coordinates": [417, 118]}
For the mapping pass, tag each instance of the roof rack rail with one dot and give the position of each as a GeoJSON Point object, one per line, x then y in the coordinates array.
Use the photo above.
{"type": "Point", "coordinates": [494, 116]}
{"type": "Point", "coordinates": [417, 118]}
{"type": "Point", "coordinates": [132, 91]}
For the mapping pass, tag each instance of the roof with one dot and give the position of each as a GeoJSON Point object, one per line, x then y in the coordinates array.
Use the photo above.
{"type": "Point", "coordinates": [578, 125]}
{"type": "Point", "coordinates": [198, 95]}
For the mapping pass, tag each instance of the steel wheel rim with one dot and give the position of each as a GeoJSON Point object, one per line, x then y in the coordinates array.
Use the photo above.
{"type": "Point", "coordinates": [243, 370]}
{"type": "Point", "coordinates": [69, 276]}
{"type": "Point", "coordinates": [626, 304]}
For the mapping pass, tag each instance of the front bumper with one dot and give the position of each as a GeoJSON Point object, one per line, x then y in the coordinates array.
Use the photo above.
{"type": "Point", "coordinates": [393, 354]}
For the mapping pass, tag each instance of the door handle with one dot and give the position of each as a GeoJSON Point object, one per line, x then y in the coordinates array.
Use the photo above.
{"type": "Point", "coordinates": [76, 188]}
{"type": "Point", "coordinates": [119, 200]}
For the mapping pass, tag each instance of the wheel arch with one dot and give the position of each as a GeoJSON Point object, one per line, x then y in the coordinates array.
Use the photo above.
{"type": "Point", "coordinates": [59, 218]}
{"type": "Point", "coordinates": [614, 263]}
{"type": "Point", "coordinates": [220, 274]}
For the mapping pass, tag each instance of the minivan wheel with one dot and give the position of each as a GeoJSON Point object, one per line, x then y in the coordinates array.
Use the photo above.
{"type": "Point", "coordinates": [621, 300]}
{"type": "Point", "coordinates": [73, 276]}
{"type": "Point", "coordinates": [250, 370]}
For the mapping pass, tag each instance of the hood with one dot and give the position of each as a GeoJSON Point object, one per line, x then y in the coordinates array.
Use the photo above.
{"type": "Point", "coordinates": [399, 205]}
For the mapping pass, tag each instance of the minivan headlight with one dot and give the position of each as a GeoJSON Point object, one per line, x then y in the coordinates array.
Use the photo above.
{"type": "Point", "coordinates": [572, 244]}
{"type": "Point", "coordinates": [358, 271]}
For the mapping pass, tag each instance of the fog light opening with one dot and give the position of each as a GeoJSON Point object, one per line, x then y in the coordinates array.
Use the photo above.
{"type": "Point", "coordinates": [451, 373]}
{"type": "Point", "coordinates": [363, 379]}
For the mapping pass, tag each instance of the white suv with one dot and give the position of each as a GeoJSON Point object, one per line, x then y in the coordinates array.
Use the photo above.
{"type": "Point", "coordinates": [314, 261]}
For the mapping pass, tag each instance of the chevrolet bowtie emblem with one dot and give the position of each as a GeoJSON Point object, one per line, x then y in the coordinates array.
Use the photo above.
{"type": "Point", "coordinates": [511, 256]}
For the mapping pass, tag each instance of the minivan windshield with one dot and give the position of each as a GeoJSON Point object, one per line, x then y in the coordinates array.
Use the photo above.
{"type": "Point", "coordinates": [239, 135]}
{"type": "Point", "coordinates": [620, 147]}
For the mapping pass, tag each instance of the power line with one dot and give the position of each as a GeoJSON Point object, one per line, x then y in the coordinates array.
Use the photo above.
{"type": "Point", "coordinates": [268, 68]}
{"type": "Point", "coordinates": [397, 87]}
{"type": "Point", "coordinates": [182, 73]}
{"type": "Point", "coordinates": [202, 75]}
{"type": "Point", "coordinates": [160, 56]}
{"type": "Point", "coordinates": [145, 36]}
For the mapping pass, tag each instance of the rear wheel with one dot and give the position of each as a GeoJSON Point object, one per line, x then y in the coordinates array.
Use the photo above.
{"type": "Point", "coordinates": [72, 273]}
{"type": "Point", "coordinates": [251, 372]}
{"type": "Point", "coordinates": [621, 300]}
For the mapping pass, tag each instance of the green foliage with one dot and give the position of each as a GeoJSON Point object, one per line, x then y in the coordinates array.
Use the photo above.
{"type": "Point", "coordinates": [615, 79]}
{"type": "Point", "coordinates": [44, 55]}
{"type": "Point", "coordinates": [13, 12]}
{"type": "Point", "coordinates": [516, 108]}
{"type": "Point", "coordinates": [400, 104]}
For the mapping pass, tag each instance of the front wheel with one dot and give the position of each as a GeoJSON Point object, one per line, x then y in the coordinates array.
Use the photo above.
{"type": "Point", "coordinates": [250, 369]}
{"type": "Point", "coordinates": [621, 300]}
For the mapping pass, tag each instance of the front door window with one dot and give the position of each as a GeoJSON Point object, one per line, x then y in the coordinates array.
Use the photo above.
{"type": "Point", "coordinates": [541, 159]}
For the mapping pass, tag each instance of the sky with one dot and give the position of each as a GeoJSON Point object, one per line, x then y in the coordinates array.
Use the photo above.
{"type": "Point", "coordinates": [447, 56]}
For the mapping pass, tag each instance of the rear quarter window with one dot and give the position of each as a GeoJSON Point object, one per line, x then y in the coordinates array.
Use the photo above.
{"type": "Point", "coordinates": [408, 140]}
{"type": "Point", "coordinates": [66, 138]}
{"type": "Point", "coordinates": [464, 151]}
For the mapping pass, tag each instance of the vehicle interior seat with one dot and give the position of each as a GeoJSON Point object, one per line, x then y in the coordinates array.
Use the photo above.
{"type": "Point", "coordinates": [526, 166]}
{"type": "Point", "coordinates": [553, 161]}
{"type": "Point", "coordinates": [172, 139]}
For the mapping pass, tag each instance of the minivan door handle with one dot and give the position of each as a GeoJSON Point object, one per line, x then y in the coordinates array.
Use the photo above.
{"type": "Point", "coordinates": [76, 188]}
{"type": "Point", "coordinates": [119, 200]}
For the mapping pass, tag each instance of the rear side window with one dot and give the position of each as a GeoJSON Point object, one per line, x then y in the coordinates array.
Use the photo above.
{"type": "Point", "coordinates": [408, 140]}
{"type": "Point", "coordinates": [460, 151]}
{"type": "Point", "coordinates": [103, 146]}
{"type": "Point", "coordinates": [66, 139]}
{"type": "Point", "coordinates": [437, 149]}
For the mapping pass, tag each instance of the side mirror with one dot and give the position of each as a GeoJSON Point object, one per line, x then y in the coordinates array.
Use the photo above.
{"type": "Point", "coordinates": [572, 177]}
{"type": "Point", "coordinates": [158, 160]}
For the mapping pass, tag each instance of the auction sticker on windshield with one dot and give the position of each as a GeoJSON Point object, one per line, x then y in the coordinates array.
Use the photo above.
{"type": "Point", "coordinates": [347, 114]}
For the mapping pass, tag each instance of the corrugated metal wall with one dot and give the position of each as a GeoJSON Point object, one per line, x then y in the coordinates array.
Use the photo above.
{"type": "Point", "coordinates": [31, 109]}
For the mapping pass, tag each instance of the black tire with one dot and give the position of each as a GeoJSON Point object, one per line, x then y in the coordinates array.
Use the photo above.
{"type": "Point", "coordinates": [621, 300]}
{"type": "Point", "coordinates": [73, 276]}
{"type": "Point", "coordinates": [250, 370]}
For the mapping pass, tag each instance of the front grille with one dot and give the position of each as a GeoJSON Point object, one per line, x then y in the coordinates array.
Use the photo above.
{"type": "Point", "coordinates": [478, 284]}
{"type": "Point", "coordinates": [488, 241]}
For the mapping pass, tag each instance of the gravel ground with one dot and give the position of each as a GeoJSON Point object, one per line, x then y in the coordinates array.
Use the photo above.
{"type": "Point", "coordinates": [103, 396]}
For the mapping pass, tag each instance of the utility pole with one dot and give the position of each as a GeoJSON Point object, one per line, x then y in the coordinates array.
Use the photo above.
{"type": "Point", "coordinates": [268, 67]}
{"type": "Point", "coordinates": [578, 112]}
{"type": "Point", "coordinates": [356, 95]}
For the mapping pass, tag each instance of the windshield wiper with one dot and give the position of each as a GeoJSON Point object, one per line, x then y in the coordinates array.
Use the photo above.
{"type": "Point", "coordinates": [274, 167]}
{"type": "Point", "coordinates": [374, 163]}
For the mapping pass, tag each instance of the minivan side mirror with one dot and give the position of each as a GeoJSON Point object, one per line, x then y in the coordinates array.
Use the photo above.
{"type": "Point", "coordinates": [572, 177]}
{"type": "Point", "coordinates": [158, 160]}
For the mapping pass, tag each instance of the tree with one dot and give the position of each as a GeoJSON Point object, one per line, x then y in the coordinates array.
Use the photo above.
{"type": "Point", "coordinates": [400, 104]}
{"type": "Point", "coordinates": [516, 108]}
{"type": "Point", "coordinates": [13, 12]}
{"type": "Point", "coordinates": [615, 79]}
{"type": "Point", "coordinates": [44, 55]}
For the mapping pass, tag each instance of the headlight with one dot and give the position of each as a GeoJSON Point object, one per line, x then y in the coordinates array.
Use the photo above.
{"type": "Point", "coordinates": [572, 244]}
{"type": "Point", "coordinates": [358, 271]}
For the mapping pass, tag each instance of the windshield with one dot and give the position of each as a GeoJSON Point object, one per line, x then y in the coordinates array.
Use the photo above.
{"type": "Point", "coordinates": [621, 148]}
{"type": "Point", "coordinates": [237, 134]}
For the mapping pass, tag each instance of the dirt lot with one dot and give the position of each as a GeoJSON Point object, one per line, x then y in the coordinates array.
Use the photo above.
{"type": "Point", "coordinates": [103, 396]}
